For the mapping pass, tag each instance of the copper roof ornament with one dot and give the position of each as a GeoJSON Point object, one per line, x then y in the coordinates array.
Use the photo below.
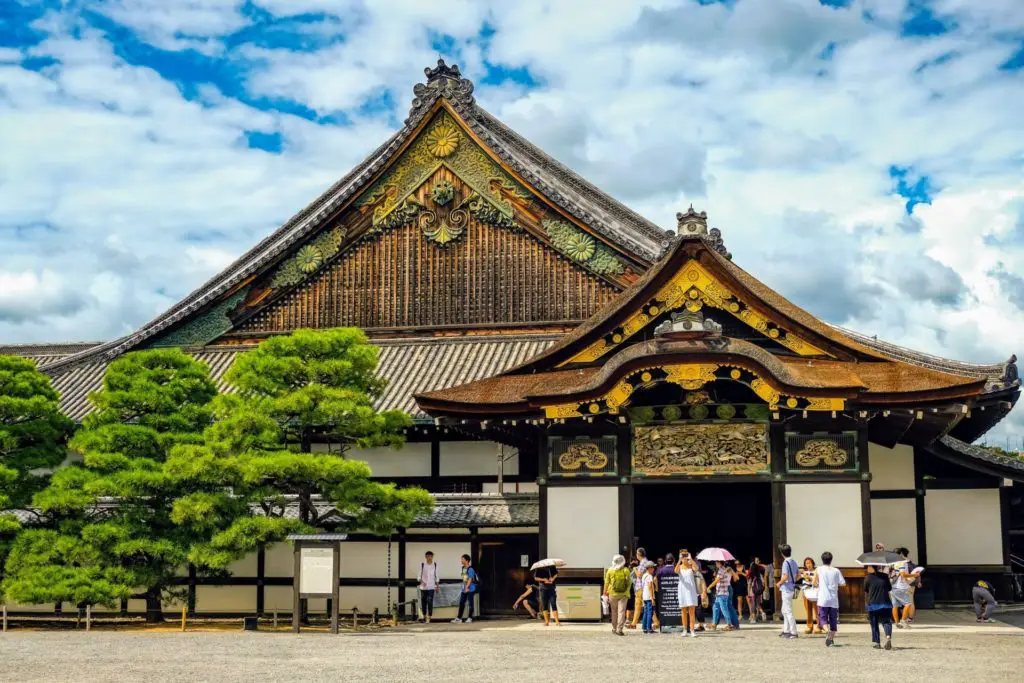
{"type": "Point", "coordinates": [693, 224]}
{"type": "Point", "coordinates": [442, 81]}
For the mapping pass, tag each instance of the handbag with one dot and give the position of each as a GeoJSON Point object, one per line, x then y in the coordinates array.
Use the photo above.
{"type": "Point", "coordinates": [811, 593]}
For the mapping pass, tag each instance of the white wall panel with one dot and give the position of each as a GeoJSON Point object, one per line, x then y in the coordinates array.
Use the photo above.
{"type": "Point", "coordinates": [475, 458]}
{"type": "Point", "coordinates": [279, 560]}
{"type": "Point", "coordinates": [583, 524]}
{"type": "Point", "coordinates": [365, 598]}
{"type": "Point", "coordinates": [368, 560]}
{"type": "Point", "coordinates": [413, 460]}
{"type": "Point", "coordinates": [446, 555]}
{"type": "Point", "coordinates": [822, 517]}
{"type": "Point", "coordinates": [891, 468]}
{"type": "Point", "coordinates": [963, 526]}
{"type": "Point", "coordinates": [894, 523]}
{"type": "Point", "coordinates": [225, 598]}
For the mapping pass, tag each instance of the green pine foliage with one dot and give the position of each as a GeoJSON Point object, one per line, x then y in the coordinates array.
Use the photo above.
{"type": "Point", "coordinates": [33, 433]}
{"type": "Point", "coordinates": [310, 386]}
{"type": "Point", "coordinates": [114, 527]}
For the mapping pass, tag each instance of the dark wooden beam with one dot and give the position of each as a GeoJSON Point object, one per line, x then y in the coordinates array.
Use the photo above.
{"type": "Point", "coordinates": [919, 486]}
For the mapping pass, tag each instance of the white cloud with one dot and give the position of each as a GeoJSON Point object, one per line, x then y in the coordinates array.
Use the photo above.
{"type": "Point", "coordinates": [113, 179]}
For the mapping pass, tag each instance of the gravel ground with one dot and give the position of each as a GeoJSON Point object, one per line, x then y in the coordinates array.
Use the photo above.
{"type": "Point", "coordinates": [511, 651]}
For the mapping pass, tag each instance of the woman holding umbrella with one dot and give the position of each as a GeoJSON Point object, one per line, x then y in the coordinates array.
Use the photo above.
{"type": "Point", "coordinates": [722, 584]}
{"type": "Point", "coordinates": [546, 573]}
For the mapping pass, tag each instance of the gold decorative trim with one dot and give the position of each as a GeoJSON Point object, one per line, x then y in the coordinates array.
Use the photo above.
{"type": "Point", "coordinates": [693, 287]}
{"type": "Point", "coordinates": [691, 377]}
{"type": "Point", "coordinates": [817, 451]}
{"type": "Point", "coordinates": [583, 455]}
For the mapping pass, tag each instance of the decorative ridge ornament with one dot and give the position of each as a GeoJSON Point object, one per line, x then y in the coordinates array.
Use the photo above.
{"type": "Point", "coordinates": [693, 224]}
{"type": "Point", "coordinates": [688, 325]}
{"type": "Point", "coordinates": [442, 81]}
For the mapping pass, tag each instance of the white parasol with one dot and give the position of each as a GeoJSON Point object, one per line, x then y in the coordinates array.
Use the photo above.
{"type": "Point", "coordinates": [549, 562]}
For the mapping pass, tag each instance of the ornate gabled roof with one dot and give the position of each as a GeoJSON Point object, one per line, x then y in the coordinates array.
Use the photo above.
{"type": "Point", "coordinates": [655, 331]}
{"type": "Point", "coordinates": [444, 86]}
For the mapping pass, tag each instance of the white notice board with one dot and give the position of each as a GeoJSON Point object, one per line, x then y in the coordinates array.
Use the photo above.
{"type": "Point", "coordinates": [317, 567]}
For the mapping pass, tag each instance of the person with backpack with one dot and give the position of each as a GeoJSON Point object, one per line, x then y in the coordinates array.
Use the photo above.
{"type": "Point", "coordinates": [787, 589]}
{"type": "Point", "coordinates": [984, 601]}
{"type": "Point", "coordinates": [755, 590]}
{"type": "Point", "coordinates": [428, 584]}
{"type": "Point", "coordinates": [546, 577]}
{"type": "Point", "coordinates": [470, 584]}
{"type": "Point", "coordinates": [617, 585]}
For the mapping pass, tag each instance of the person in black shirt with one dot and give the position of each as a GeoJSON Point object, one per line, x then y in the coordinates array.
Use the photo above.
{"type": "Point", "coordinates": [546, 577]}
{"type": "Point", "coordinates": [876, 596]}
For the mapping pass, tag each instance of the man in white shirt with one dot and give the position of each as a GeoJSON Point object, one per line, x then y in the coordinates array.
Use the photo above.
{"type": "Point", "coordinates": [828, 579]}
{"type": "Point", "coordinates": [428, 584]}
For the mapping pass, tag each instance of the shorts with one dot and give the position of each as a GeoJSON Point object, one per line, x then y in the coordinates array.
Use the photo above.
{"type": "Point", "coordinates": [549, 599]}
{"type": "Point", "coordinates": [901, 597]}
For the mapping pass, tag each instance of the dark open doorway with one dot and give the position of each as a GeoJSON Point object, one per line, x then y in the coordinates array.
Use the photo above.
{"type": "Point", "coordinates": [502, 574]}
{"type": "Point", "coordinates": [696, 515]}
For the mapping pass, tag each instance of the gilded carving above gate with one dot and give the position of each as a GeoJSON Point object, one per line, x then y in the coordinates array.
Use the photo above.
{"type": "Point", "coordinates": [701, 449]}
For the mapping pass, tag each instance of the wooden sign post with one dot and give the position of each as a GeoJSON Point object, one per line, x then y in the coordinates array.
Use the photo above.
{"type": "Point", "coordinates": [317, 572]}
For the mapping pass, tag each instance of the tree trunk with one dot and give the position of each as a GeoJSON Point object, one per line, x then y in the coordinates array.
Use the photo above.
{"type": "Point", "coordinates": [154, 610]}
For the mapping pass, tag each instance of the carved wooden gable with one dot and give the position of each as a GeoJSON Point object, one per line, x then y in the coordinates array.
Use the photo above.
{"type": "Point", "coordinates": [445, 237]}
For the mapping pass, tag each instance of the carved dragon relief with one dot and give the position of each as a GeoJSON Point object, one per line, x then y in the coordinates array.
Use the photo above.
{"type": "Point", "coordinates": [701, 449]}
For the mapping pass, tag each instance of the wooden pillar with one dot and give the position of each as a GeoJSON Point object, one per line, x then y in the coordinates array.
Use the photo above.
{"type": "Point", "coordinates": [296, 601]}
{"type": "Point", "coordinates": [777, 446]}
{"type": "Point", "coordinates": [435, 456]}
{"type": "Point", "coordinates": [863, 466]}
{"type": "Point", "coordinates": [542, 491]}
{"type": "Point", "coordinates": [190, 600]}
{"type": "Point", "coordinates": [919, 493]}
{"type": "Point", "coordinates": [1004, 520]}
{"type": "Point", "coordinates": [261, 575]}
{"type": "Point", "coordinates": [401, 565]}
{"type": "Point", "coordinates": [627, 507]}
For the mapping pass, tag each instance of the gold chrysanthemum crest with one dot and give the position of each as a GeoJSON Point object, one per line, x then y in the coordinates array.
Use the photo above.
{"type": "Point", "coordinates": [309, 258]}
{"type": "Point", "coordinates": [443, 140]}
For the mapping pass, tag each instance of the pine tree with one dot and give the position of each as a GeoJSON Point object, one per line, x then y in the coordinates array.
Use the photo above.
{"type": "Point", "coordinates": [33, 434]}
{"type": "Point", "coordinates": [293, 391]}
{"type": "Point", "coordinates": [114, 517]}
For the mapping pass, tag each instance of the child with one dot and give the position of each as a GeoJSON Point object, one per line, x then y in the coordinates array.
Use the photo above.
{"type": "Point", "coordinates": [828, 579]}
{"type": "Point", "coordinates": [647, 593]}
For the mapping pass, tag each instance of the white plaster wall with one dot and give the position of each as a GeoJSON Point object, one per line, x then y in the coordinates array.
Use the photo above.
{"type": "Point", "coordinates": [963, 526]}
{"type": "Point", "coordinates": [366, 598]}
{"type": "Point", "coordinates": [277, 598]}
{"type": "Point", "coordinates": [511, 487]}
{"type": "Point", "coordinates": [891, 468]}
{"type": "Point", "coordinates": [279, 560]}
{"type": "Point", "coordinates": [475, 458]}
{"type": "Point", "coordinates": [225, 598]}
{"type": "Point", "coordinates": [446, 555]}
{"type": "Point", "coordinates": [583, 524]}
{"type": "Point", "coordinates": [247, 566]}
{"type": "Point", "coordinates": [413, 460]}
{"type": "Point", "coordinates": [368, 560]}
{"type": "Point", "coordinates": [894, 523]}
{"type": "Point", "coordinates": [822, 517]}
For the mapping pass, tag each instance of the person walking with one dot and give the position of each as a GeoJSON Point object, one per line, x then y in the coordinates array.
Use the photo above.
{"type": "Point", "coordinates": [617, 585]}
{"type": "Point", "coordinates": [984, 601]}
{"type": "Point", "coordinates": [647, 594]}
{"type": "Point", "coordinates": [828, 579]}
{"type": "Point", "coordinates": [902, 599]}
{"type": "Point", "coordinates": [787, 587]}
{"type": "Point", "coordinates": [810, 595]}
{"type": "Point", "coordinates": [740, 590]}
{"type": "Point", "coordinates": [470, 582]}
{"type": "Point", "coordinates": [638, 580]}
{"type": "Point", "coordinates": [428, 584]}
{"type": "Point", "coordinates": [688, 572]}
{"type": "Point", "coordinates": [876, 595]}
{"type": "Point", "coordinates": [722, 585]}
{"type": "Point", "coordinates": [546, 577]}
{"type": "Point", "coordinates": [755, 590]}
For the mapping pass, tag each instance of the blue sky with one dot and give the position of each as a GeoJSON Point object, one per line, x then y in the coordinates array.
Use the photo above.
{"type": "Point", "coordinates": [863, 157]}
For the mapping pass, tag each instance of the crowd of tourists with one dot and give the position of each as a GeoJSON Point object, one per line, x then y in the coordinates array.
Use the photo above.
{"type": "Point", "coordinates": [713, 593]}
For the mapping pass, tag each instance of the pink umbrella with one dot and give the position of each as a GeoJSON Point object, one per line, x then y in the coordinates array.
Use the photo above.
{"type": "Point", "coordinates": [715, 555]}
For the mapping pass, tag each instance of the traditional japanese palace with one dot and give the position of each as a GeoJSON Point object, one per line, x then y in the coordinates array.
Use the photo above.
{"type": "Point", "coordinates": [584, 382]}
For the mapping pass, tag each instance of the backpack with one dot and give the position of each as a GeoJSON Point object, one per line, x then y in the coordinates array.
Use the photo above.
{"type": "Point", "coordinates": [474, 576]}
{"type": "Point", "coordinates": [620, 582]}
